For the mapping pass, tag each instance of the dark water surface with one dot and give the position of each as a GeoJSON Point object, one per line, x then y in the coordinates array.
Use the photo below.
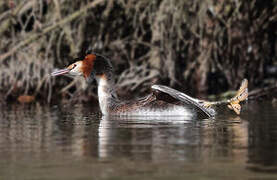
{"type": "Point", "coordinates": [71, 142]}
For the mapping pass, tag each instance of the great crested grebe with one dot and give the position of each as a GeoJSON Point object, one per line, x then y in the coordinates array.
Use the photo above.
{"type": "Point", "coordinates": [162, 101]}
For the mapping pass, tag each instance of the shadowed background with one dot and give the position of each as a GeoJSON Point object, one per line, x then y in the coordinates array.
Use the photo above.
{"type": "Point", "coordinates": [199, 47]}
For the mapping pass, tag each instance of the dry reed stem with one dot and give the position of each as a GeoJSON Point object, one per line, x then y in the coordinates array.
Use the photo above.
{"type": "Point", "coordinates": [33, 37]}
{"type": "Point", "coordinates": [198, 45]}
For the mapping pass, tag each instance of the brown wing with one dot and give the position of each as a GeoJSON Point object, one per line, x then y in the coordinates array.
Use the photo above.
{"type": "Point", "coordinates": [132, 105]}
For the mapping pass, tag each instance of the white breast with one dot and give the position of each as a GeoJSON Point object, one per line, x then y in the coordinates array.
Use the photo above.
{"type": "Point", "coordinates": [103, 95]}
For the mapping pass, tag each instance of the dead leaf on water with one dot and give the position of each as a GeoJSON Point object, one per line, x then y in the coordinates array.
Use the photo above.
{"type": "Point", "coordinates": [26, 99]}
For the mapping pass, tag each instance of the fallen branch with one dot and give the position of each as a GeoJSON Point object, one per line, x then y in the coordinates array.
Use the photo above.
{"type": "Point", "coordinates": [262, 92]}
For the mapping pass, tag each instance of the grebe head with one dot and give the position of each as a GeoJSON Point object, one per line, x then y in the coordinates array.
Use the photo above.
{"type": "Point", "coordinates": [95, 67]}
{"type": "Point", "coordinates": [91, 67]}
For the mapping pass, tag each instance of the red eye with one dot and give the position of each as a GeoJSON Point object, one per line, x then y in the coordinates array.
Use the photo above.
{"type": "Point", "coordinates": [72, 66]}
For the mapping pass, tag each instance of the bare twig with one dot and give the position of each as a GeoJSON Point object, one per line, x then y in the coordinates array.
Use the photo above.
{"type": "Point", "coordinates": [35, 36]}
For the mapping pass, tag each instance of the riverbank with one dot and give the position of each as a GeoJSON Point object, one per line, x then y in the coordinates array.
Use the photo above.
{"type": "Point", "coordinates": [199, 47]}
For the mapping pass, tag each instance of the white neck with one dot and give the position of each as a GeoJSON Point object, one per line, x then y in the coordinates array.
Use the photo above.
{"type": "Point", "coordinates": [104, 94]}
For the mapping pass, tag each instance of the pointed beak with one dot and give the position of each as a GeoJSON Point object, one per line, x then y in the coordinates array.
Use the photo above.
{"type": "Point", "coordinates": [60, 72]}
